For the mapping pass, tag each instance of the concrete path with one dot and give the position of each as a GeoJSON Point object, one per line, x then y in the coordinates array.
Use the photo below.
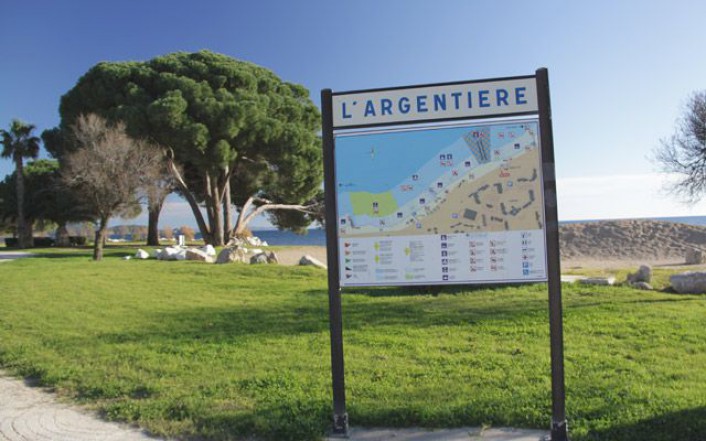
{"type": "Point", "coordinates": [6, 256]}
{"type": "Point", "coordinates": [31, 414]}
{"type": "Point", "coordinates": [462, 434]}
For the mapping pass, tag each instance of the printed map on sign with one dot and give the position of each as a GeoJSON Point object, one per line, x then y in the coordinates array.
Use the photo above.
{"type": "Point", "coordinates": [469, 179]}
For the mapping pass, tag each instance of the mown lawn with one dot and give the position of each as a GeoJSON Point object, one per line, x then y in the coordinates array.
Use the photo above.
{"type": "Point", "coordinates": [221, 352]}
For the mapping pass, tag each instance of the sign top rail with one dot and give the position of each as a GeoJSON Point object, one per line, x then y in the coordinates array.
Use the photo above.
{"type": "Point", "coordinates": [436, 102]}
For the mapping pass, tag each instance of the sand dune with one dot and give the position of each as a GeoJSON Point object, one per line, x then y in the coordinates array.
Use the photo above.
{"type": "Point", "coordinates": [630, 239]}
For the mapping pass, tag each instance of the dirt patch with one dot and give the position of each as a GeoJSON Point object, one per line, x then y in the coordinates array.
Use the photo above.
{"type": "Point", "coordinates": [291, 255]}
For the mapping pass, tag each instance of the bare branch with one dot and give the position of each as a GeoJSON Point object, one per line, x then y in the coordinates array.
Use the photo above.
{"type": "Point", "coordinates": [109, 170]}
{"type": "Point", "coordinates": [684, 153]}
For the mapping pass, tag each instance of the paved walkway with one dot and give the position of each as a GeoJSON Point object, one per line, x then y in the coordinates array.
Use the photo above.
{"type": "Point", "coordinates": [31, 414]}
{"type": "Point", "coordinates": [462, 434]}
{"type": "Point", "coordinates": [6, 256]}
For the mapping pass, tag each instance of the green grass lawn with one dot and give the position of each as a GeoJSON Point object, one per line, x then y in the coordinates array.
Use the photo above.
{"type": "Point", "coordinates": [225, 351]}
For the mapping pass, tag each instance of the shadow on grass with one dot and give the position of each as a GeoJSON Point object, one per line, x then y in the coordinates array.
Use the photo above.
{"type": "Point", "coordinates": [309, 314]}
{"type": "Point", "coordinates": [434, 290]}
{"type": "Point", "coordinates": [283, 418]}
{"type": "Point", "coordinates": [82, 252]}
{"type": "Point", "coordinates": [685, 425]}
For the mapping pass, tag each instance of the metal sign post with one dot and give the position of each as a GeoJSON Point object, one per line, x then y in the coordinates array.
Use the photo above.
{"type": "Point", "coordinates": [426, 224]}
{"type": "Point", "coordinates": [340, 417]}
{"type": "Point", "coordinates": [556, 333]}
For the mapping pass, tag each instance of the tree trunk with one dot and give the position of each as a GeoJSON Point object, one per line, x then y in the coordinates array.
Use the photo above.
{"type": "Point", "coordinates": [240, 224]}
{"type": "Point", "coordinates": [100, 240]}
{"type": "Point", "coordinates": [186, 192]}
{"type": "Point", "coordinates": [217, 205]}
{"type": "Point", "coordinates": [153, 225]}
{"type": "Point", "coordinates": [62, 236]}
{"type": "Point", "coordinates": [227, 213]}
{"type": "Point", "coordinates": [153, 208]}
{"type": "Point", "coordinates": [22, 241]}
{"type": "Point", "coordinates": [210, 212]}
{"type": "Point", "coordinates": [246, 215]}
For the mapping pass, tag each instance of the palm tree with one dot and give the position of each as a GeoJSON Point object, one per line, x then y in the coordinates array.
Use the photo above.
{"type": "Point", "coordinates": [18, 143]}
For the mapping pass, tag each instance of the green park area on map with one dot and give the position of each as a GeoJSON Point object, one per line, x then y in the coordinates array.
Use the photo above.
{"type": "Point", "coordinates": [373, 204]}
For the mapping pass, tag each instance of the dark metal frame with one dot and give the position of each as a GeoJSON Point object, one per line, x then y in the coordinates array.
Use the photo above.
{"type": "Point", "coordinates": [551, 227]}
{"type": "Point", "coordinates": [340, 416]}
{"type": "Point", "coordinates": [559, 429]}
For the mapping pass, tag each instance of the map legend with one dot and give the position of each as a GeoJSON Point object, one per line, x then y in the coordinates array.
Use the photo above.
{"type": "Point", "coordinates": [451, 258]}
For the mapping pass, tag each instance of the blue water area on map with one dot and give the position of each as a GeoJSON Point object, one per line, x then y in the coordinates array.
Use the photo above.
{"type": "Point", "coordinates": [378, 162]}
{"type": "Point", "coordinates": [381, 162]}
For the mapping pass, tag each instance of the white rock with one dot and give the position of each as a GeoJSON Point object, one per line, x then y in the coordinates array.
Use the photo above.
{"type": "Point", "coordinates": [142, 254]}
{"type": "Point", "coordinates": [690, 282]}
{"type": "Point", "coordinates": [642, 285]}
{"type": "Point", "coordinates": [231, 254]}
{"type": "Point", "coordinates": [643, 274]}
{"type": "Point", "coordinates": [235, 242]}
{"type": "Point", "coordinates": [256, 251]}
{"type": "Point", "coordinates": [209, 250]}
{"type": "Point", "coordinates": [259, 258]}
{"type": "Point", "coordinates": [254, 241]}
{"type": "Point", "coordinates": [307, 260]}
{"type": "Point", "coordinates": [264, 244]}
{"type": "Point", "coordinates": [603, 281]}
{"type": "Point", "coordinates": [157, 253]}
{"type": "Point", "coordinates": [174, 253]}
{"type": "Point", "coordinates": [198, 254]}
{"type": "Point", "coordinates": [127, 258]}
{"type": "Point", "coordinates": [572, 278]}
{"type": "Point", "coordinates": [272, 257]}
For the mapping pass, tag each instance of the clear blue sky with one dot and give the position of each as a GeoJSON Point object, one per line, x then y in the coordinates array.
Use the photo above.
{"type": "Point", "coordinates": [619, 70]}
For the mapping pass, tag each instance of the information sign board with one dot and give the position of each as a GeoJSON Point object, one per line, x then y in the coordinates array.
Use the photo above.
{"type": "Point", "coordinates": [441, 205]}
{"type": "Point", "coordinates": [418, 191]}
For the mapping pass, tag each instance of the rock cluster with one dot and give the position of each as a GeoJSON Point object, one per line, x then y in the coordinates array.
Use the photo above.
{"type": "Point", "coordinates": [204, 254]}
{"type": "Point", "coordinates": [236, 250]}
{"type": "Point", "coordinates": [641, 279]}
{"type": "Point", "coordinates": [246, 251]}
{"type": "Point", "coordinates": [232, 255]}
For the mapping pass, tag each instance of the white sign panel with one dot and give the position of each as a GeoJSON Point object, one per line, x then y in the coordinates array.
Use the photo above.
{"type": "Point", "coordinates": [466, 100]}
{"type": "Point", "coordinates": [443, 205]}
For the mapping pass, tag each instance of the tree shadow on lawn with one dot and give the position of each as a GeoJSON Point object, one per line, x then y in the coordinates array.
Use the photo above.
{"type": "Point", "coordinates": [79, 252]}
{"type": "Point", "coordinates": [310, 315]}
{"type": "Point", "coordinates": [433, 290]}
{"type": "Point", "coordinates": [386, 307]}
{"type": "Point", "coordinates": [685, 425]}
{"type": "Point", "coordinates": [279, 417]}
